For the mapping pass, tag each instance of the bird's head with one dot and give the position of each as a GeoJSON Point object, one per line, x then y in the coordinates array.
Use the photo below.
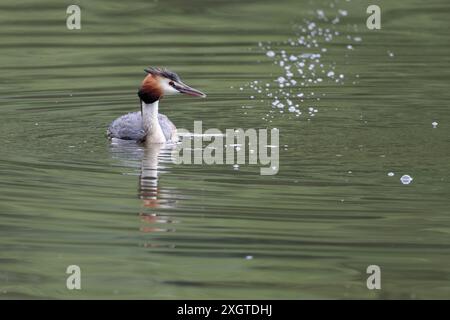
{"type": "Point", "coordinates": [160, 82]}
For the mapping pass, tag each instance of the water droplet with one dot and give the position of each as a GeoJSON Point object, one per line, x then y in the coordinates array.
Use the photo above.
{"type": "Point", "coordinates": [281, 80]}
{"type": "Point", "coordinates": [406, 179]}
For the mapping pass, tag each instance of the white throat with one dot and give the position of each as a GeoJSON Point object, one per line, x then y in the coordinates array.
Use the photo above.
{"type": "Point", "coordinates": [150, 123]}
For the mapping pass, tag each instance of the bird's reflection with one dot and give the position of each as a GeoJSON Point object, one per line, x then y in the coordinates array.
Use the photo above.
{"type": "Point", "coordinates": [153, 161]}
{"type": "Point", "coordinates": [148, 179]}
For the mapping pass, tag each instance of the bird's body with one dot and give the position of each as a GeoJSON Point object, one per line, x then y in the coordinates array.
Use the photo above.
{"type": "Point", "coordinates": [130, 127]}
{"type": "Point", "coordinates": [148, 125]}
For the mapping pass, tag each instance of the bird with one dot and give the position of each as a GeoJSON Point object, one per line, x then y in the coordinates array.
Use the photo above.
{"type": "Point", "coordinates": [148, 125]}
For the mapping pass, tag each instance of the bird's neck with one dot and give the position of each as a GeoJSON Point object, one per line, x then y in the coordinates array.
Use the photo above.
{"type": "Point", "coordinates": [150, 122]}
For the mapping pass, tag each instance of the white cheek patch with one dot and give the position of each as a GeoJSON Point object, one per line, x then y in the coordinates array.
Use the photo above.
{"type": "Point", "coordinates": [167, 88]}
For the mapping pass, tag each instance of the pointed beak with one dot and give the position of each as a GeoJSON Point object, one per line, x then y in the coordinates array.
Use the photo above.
{"type": "Point", "coordinates": [183, 88]}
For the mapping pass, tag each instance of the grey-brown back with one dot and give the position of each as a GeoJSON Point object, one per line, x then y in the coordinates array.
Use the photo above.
{"type": "Point", "coordinates": [130, 127]}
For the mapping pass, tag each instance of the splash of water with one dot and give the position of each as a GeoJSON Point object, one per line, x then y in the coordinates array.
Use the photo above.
{"type": "Point", "coordinates": [303, 66]}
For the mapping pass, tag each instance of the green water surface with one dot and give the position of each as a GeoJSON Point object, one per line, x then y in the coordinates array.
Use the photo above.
{"type": "Point", "coordinates": [69, 197]}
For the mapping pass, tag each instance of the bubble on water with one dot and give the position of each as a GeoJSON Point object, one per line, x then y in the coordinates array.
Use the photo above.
{"type": "Point", "coordinates": [310, 55]}
{"type": "Point", "coordinates": [343, 13]}
{"type": "Point", "coordinates": [406, 179]}
{"type": "Point", "coordinates": [330, 74]}
{"type": "Point", "coordinates": [270, 54]}
{"type": "Point", "coordinates": [391, 174]}
{"type": "Point", "coordinates": [434, 124]}
{"type": "Point", "coordinates": [390, 54]}
{"type": "Point", "coordinates": [349, 47]}
{"type": "Point", "coordinates": [292, 109]}
{"type": "Point", "coordinates": [235, 166]}
{"type": "Point", "coordinates": [248, 257]}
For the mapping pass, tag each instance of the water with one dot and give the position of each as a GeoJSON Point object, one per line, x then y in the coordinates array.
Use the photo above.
{"type": "Point", "coordinates": [67, 196]}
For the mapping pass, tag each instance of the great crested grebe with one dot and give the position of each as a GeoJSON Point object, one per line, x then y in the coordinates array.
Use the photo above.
{"type": "Point", "coordinates": [148, 125]}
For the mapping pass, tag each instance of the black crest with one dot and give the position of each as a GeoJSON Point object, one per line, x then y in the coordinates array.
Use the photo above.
{"type": "Point", "coordinates": [163, 72]}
